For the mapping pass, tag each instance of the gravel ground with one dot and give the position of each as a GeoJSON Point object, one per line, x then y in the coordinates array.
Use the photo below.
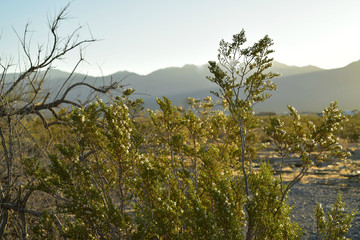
{"type": "Point", "coordinates": [305, 196]}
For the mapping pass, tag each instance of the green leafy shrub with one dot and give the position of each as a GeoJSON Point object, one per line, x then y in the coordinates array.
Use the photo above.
{"type": "Point", "coordinates": [336, 223]}
{"type": "Point", "coordinates": [182, 173]}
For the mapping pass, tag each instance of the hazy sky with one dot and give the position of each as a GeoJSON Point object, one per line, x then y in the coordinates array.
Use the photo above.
{"type": "Point", "coordinates": [145, 35]}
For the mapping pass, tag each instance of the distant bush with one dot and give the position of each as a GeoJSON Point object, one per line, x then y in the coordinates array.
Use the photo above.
{"type": "Point", "coordinates": [260, 114]}
{"type": "Point", "coordinates": [351, 129]}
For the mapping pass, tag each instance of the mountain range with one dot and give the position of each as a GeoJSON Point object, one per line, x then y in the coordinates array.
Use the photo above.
{"type": "Point", "coordinates": [308, 89]}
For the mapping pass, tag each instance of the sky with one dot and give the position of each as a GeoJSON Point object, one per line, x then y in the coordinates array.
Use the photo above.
{"type": "Point", "coordinates": [142, 36]}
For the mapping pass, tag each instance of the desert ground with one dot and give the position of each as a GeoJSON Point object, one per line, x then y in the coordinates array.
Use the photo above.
{"type": "Point", "coordinates": [322, 184]}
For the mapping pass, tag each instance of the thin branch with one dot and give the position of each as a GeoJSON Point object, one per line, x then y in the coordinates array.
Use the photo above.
{"type": "Point", "coordinates": [294, 181]}
{"type": "Point", "coordinates": [54, 53]}
{"type": "Point", "coordinates": [68, 78]}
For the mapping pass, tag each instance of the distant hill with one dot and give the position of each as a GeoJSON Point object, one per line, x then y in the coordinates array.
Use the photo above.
{"type": "Point", "coordinates": [178, 83]}
{"type": "Point", "coordinates": [286, 70]}
{"type": "Point", "coordinates": [314, 91]}
{"type": "Point", "coordinates": [307, 88]}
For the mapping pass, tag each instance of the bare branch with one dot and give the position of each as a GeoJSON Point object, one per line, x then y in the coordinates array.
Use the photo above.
{"type": "Point", "coordinates": [55, 53]}
{"type": "Point", "coordinates": [23, 95]}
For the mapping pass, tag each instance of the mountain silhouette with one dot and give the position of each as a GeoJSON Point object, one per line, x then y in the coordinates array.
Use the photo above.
{"type": "Point", "coordinates": [314, 91]}
{"type": "Point", "coordinates": [306, 88]}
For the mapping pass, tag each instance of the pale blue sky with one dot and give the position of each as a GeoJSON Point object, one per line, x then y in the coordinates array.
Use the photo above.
{"type": "Point", "coordinates": [143, 35]}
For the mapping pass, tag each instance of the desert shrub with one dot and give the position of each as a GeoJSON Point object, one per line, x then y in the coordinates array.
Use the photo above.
{"type": "Point", "coordinates": [335, 224]}
{"type": "Point", "coordinates": [268, 213]}
{"type": "Point", "coordinates": [181, 173]}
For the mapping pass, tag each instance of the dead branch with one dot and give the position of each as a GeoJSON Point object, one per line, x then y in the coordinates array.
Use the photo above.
{"type": "Point", "coordinates": [23, 96]}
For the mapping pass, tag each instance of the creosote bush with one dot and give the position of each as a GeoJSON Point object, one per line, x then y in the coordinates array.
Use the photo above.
{"type": "Point", "coordinates": [177, 178]}
{"type": "Point", "coordinates": [335, 224]}
{"type": "Point", "coordinates": [181, 173]}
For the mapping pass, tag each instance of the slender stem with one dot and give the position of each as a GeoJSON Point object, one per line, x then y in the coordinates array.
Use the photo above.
{"type": "Point", "coordinates": [294, 181]}
{"type": "Point", "coordinates": [243, 147]}
{"type": "Point", "coordinates": [23, 225]}
{"type": "Point", "coordinates": [195, 162]}
{"type": "Point", "coordinates": [3, 220]}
